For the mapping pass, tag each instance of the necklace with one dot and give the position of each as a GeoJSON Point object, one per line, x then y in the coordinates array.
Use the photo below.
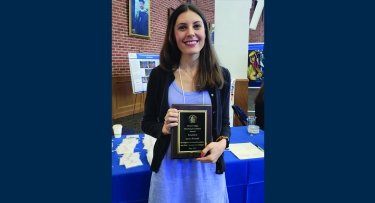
{"type": "Point", "coordinates": [182, 86]}
{"type": "Point", "coordinates": [185, 72]}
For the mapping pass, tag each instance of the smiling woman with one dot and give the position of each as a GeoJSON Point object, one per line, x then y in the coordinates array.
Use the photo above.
{"type": "Point", "coordinates": [190, 74]}
{"type": "Point", "coordinates": [189, 33]}
{"type": "Point", "coordinates": [139, 18]}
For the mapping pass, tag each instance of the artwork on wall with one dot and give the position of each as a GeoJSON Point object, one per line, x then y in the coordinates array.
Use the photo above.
{"type": "Point", "coordinates": [139, 18]}
{"type": "Point", "coordinates": [255, 70]}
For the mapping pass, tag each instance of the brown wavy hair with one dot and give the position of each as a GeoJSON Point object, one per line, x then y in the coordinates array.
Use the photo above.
{"type": "Point", "coordinates": [209, 71]}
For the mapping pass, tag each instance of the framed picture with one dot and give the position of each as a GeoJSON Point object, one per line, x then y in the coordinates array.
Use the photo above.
{"type": "Point", "coordinates": [139, 18]}
{"type": "Point", "coordinates": [255, 70]}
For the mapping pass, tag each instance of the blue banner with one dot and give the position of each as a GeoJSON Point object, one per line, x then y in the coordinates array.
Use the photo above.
{"type": "Point", "coordinates": [143, 56]}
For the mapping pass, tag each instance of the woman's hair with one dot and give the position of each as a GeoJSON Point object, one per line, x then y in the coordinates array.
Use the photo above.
{"type": "Point", "coordinates": [209, 72]}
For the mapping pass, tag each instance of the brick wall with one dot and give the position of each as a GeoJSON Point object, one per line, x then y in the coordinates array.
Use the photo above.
{"type": "Point", "coordinates": [122, 43]}
{"type": "Point", "coordinates": [258, 34]}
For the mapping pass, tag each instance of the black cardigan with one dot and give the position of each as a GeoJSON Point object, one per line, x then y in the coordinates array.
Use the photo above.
{"type": "Point", "coordinates": [156, 106]}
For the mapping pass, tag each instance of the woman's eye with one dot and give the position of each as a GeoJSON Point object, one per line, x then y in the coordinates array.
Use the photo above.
{"type": "Point", "coordinates": [197, 27]}
{"type": "Point", "coordinates": [182, 28]}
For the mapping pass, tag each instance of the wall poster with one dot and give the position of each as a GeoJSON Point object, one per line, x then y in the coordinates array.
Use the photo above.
{"type": "Point", "coordinates": [141, 65]}
{"type": "Point", "coordinates": [255, 70]}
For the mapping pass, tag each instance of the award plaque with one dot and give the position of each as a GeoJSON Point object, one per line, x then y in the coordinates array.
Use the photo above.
{"type": "Point", "coordinates": [193, 132]}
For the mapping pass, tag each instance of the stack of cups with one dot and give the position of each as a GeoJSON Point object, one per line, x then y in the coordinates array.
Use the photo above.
{"type": "Point", "coordinates": [117, 130]}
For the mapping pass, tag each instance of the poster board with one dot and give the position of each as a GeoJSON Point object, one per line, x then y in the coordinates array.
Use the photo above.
{"type": "Point", "coordinates": [255, 69]}
{"type": "Point", "coordinates": [141, 65]}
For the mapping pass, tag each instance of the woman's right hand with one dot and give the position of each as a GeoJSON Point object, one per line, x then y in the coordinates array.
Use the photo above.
{"type": "Point", "coordinates": [170, 120]}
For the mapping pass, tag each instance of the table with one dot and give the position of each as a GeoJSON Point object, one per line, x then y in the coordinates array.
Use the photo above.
{"type": "Point", "coordinates": [245, 178]}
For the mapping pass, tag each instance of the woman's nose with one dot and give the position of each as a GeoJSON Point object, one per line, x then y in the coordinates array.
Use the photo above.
{"type": "Point", "coordinates": [191, 31]}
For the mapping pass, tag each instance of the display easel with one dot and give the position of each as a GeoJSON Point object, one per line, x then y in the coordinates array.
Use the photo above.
{"type": "Point", "coordinates": [141, 65]}
{"type": "Point", "coordinates": [142, 97]}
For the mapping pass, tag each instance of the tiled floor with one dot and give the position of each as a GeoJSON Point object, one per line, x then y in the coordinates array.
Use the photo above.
{"type": "Point", "coordinates": [131, 124]}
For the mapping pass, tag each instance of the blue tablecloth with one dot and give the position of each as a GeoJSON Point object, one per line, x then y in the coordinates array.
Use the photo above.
{"type": "Point", "coordinates": [245, 178]}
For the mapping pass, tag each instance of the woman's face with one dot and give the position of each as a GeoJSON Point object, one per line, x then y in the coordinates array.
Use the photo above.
{"type": "Point", "coordinates": [252, 58]}
{"type": "Point", "coordinates": [189, 33]}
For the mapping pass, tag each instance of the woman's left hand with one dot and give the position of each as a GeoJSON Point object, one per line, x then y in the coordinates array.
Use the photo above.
{"type": "Point", "coordinates": [215, 149]}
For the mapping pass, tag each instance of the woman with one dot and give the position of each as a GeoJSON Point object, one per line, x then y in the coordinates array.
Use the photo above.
{"type": "Point", "coordinates": [189, 73]}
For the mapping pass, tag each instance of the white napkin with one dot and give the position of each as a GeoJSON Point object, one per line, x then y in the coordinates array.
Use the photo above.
{"type": "Point", "coordinates": [149, 142]}
{"type": "Point", "coordinates": [130, 160]}
{"type": "Point", "coordinates": [127, 145]}
{"type": "Point", "coordinates": [246, 150]}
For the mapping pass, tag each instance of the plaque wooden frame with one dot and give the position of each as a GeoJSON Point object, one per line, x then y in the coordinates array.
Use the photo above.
{"type": "Point", "coordinates": [192, 133]}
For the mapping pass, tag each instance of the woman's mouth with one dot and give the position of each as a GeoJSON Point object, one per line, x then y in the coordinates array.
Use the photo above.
{"type": "Point", "coordinates": [191, 42]}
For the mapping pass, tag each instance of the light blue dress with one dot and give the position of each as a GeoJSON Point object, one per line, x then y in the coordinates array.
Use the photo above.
{"type": "Point", "coordinates": [187, 180]}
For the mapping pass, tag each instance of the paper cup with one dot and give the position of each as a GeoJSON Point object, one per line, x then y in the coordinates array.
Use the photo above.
{"type": "Point", "coordinates": [117, 130]}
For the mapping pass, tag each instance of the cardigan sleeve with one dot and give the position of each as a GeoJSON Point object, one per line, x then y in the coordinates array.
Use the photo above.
{"type": "Point", "coordinates": [225, 96]}
{"type": "Point", "coordinates": [151, 124]}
